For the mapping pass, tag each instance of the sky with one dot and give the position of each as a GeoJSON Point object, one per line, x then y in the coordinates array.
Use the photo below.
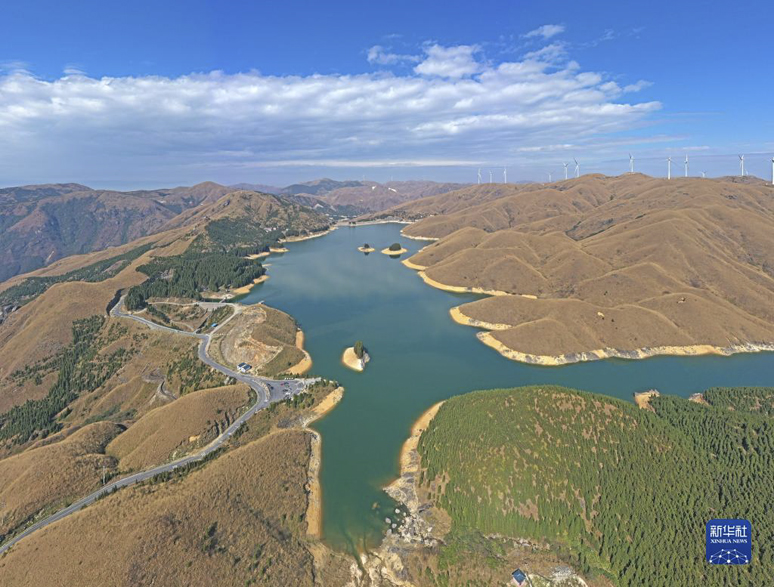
{"type": "Point", "coordinates": [148, 94]}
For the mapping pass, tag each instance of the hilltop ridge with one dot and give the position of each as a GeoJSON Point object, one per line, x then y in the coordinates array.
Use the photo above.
{"type": "Point", "coordinates": [605, 266]}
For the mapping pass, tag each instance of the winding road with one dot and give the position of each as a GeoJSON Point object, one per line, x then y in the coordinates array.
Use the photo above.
{"type": "Point", "coordinates": [267, 391]}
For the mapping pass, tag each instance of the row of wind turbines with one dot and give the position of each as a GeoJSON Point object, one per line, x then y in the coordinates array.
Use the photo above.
{"type": "Point", "coordinates": [742, 172]}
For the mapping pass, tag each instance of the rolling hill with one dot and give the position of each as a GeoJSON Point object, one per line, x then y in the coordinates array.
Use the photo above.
{"type": "Point", "coordinates": [40, 224]}
{"type": "Point", "coordinates": [626, 266]}
{"type": "Point", "coordinates": [612, 487]}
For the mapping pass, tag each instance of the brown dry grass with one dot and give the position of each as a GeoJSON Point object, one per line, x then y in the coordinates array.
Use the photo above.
{"type": "Point", "coordinates": [237, 520]}
{"type": "Point", "coordinates": [53, 475]}
{"type": "Point", "coordinates": [618, 262]}
{"type": "Point", "coordinates": [181, 427]}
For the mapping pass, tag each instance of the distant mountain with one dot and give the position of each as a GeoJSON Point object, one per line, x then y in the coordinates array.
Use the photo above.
{"type": "Point", "coordinates": [258, 187]}
{"type": "Point", "coordinates": [319, 187]}
{"type": "Point", "coordinates": [353, 198]}
{"type": "Point", "coordinates": [42, 223]}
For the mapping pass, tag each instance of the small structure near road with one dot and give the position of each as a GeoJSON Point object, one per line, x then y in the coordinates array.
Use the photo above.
{"type": "Point", "coordinates": [244, 367]}
{"type": "Point", "coordinates": [518, 577]}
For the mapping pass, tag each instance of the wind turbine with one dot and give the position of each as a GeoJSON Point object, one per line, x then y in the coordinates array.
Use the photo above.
{"type": "Point", "coordinates": [703, 174]}
{"type": "Point", "coordinates": [479, 175]}
{"type": "Point", "coordinates": [669, 167]}
{"type": "Point", "coordinates": [686, 165]}
{"type": "Point", "coordinates": [741, 164]}
{"type": "Point", "coordinates": [550, 180]}
{"type": "Point", "coordinates": [565, 169]}
{"type": "Point", "coordinates": [631, 163]}
{"type": "Point", "coordinates": [505, 175]}
{"type": "Point", "coordinates": [490, 176]}
{"type": "Point", "coordinates": [577, 167]}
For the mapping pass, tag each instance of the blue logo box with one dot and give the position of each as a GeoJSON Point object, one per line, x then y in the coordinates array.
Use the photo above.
{"type": "Point", "coordinates": [729, 542]}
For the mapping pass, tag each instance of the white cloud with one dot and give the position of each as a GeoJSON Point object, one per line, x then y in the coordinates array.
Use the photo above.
{"type": "Point", "coordinates": [546, 31]}
{"type": "Point", "coordinates": [451, 62]}
{"type": "Point", "coordinates": [381, 56]}
{"type": "Point", "coordinates": [455, 108]}
{"type": "Point", "coordinates": [549, 54]}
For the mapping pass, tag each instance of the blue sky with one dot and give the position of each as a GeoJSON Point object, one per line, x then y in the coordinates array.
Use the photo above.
{"type": "Point", "coordinates": [158, 93]}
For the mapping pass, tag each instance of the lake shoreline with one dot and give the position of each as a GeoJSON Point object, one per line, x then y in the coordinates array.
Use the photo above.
{"type": "Point", "coordinates": [305, 364]}
{"type": "Point", "coordinates": [314, 500]}
{"type": "Point", "coordinates": [641, 353]}
{"type": "Point", "coordinates": [245, 289]}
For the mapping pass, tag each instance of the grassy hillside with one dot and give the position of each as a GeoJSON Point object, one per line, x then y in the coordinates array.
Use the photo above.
{"type": "Point", "coordinates": [49, 476]}
{"type": "Point", "coordinates": [623, 492]}
{"type": "Point", "coordinates": [41, 224]}
{"type": "Point", "coordinates": [627, 263]}
{"type": "Point", "coordinates": [179, 427]}
{"type": "Point", "coordinates": [237, 520]}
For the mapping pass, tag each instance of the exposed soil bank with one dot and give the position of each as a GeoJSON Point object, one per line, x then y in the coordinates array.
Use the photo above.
{"type": "Point", "coordinates": [410, 265]}
{"type": "Point", "coordinates": [296, 239]}
{"type": "Point", "coordinates": [246, 288]}
{"type": "Point", "coordinates": [351, 360]}
{"type": "Point", "coordinates": [392, 253]}
{"type": "Point", "coordinates": [458, 288]}
{"type": "Point", "coordinates": [642, 353]}
{"type": "Point", "coordinates": [304, 364]}
{"type": "Point", "coordinates": [314, 503]}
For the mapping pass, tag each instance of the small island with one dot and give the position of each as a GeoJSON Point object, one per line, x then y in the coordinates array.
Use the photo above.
{"type": "Point", "coordinates": [394, 250]}
{"type": "Point", "coordinates": [356, 357]}
{"type": "Point", "coordinates": [366, 248]}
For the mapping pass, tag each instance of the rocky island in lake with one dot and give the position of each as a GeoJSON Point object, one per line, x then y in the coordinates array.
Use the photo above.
{"type": "Point", "coordinates": [394, 249]}
{"type": "Point", "coordinates": [356, 357]}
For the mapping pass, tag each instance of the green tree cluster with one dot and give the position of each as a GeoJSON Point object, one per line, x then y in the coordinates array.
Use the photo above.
{"type": "Point", "coordinates": [626, 491]}
{"type": "Point", "coordinates": [189, 274]}
{"type": "Point", "coordinates": [80, 368]}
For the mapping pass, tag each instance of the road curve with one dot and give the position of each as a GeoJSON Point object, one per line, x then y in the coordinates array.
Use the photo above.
{"type": "Point", "coordinates": [267, 391]}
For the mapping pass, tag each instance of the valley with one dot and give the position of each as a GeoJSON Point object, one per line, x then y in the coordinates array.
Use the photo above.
{"type": "Point", "coordinates": [172, 356]}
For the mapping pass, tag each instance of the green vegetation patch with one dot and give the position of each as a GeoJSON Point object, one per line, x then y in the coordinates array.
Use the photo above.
{"type": "Point", "coordinates": [753, 400]}
{"type": "Point", "coordinates": [188, 275]}
{"type": "Point", "coordinates": [80, 368]}
{"type": "Point", "coordinates": [193, 373]}
{"type": "Point", "coordinates": [627, 491]}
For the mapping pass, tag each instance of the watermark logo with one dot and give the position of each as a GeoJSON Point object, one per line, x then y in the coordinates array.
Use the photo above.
{"type": "Point", "coordinates": [729, 542]}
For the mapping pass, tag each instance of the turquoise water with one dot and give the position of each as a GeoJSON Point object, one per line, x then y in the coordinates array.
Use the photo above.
{"type": "Point", "coordinates": [418, 357]}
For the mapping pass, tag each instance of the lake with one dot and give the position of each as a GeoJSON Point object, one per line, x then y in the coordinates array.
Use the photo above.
{"type": "Point", "coordinates": [419, 356]}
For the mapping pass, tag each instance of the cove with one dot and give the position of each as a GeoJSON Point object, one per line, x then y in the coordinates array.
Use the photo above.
{"type": "Point", "coordinates": [419, 356]}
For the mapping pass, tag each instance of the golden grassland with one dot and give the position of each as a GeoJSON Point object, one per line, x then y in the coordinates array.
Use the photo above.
{"type": "Point", "coordinates": [599, 267]}
{"type": "Point", "coordinates": [54, 474]}
{"type": "Point", "coordinates": [237, 520]}
{"type": "Point", "coordinates": [178, 428]}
